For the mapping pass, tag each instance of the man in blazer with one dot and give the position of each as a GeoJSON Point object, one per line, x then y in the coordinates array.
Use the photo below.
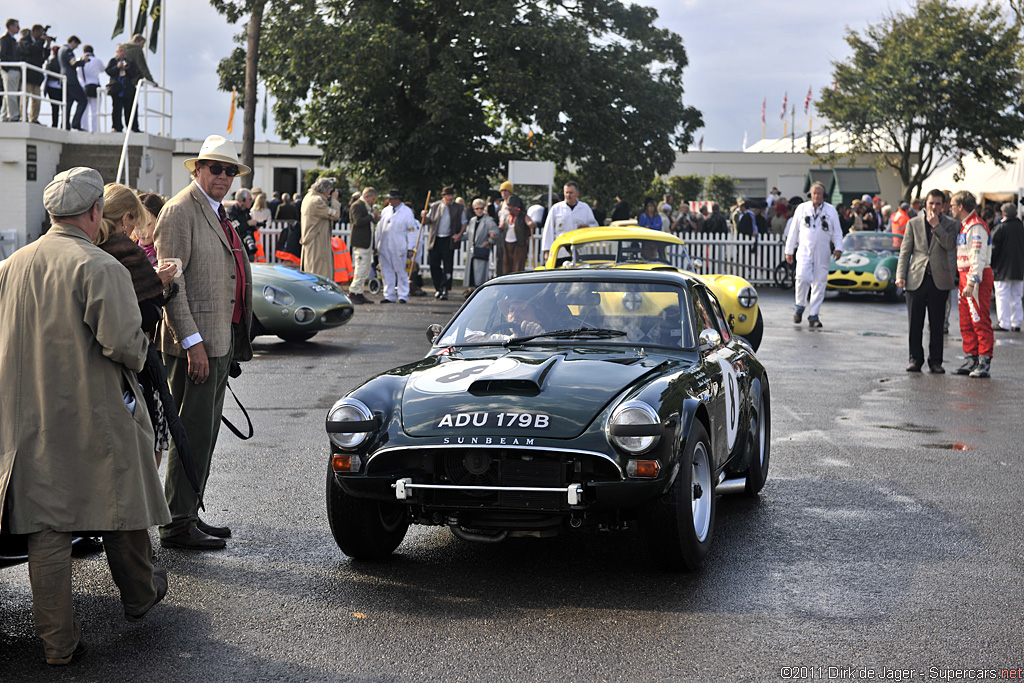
{"type": "Point", "coordinates": [446, 219]}
{"type": "Point", "coordinates": [206, 326]}
{"type": "Point", "coordinates": [924, 272]}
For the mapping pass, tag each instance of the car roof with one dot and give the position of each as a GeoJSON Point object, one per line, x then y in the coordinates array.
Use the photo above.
{"type": "Point", "coordinates": [668, 276]}
{"type": "Point", "coordinates": [584, 235]}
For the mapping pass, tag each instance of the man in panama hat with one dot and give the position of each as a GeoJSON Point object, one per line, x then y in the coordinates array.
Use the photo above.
{"type": "Point", "coordinates": [206, 326]}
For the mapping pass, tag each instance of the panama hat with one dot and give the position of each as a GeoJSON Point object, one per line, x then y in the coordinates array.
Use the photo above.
{"type": "Point", "coordinates": [218, 148]}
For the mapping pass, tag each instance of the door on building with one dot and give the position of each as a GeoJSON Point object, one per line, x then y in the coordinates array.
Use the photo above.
{"type": "Point", "coordinates": [286, 180]}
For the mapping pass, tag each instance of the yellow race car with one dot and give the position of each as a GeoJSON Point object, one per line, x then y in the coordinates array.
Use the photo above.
{"type": "Point", "coordinates": [628, 246]}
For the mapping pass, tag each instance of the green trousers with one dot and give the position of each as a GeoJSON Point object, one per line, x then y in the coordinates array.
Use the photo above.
{"type": "Point", "coordinates": [200, 407]}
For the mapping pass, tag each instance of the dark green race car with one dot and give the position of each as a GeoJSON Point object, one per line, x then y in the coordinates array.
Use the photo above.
{"type": "Point", "coordinates": [554, 400]}
{"type": "Point", "coordinates": [867, 264]}
{"type": "Point", "coordinates": [295, 305]}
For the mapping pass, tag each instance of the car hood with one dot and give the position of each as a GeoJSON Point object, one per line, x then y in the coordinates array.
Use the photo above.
{"type": "Point", "coordinates": [477, 395]}
{"type": "Point", "coordinates": [858, 261]}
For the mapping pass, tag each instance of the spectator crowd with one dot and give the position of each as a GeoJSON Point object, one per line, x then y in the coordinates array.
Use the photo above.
{"type": "Point", "coordinates": [37, 69]}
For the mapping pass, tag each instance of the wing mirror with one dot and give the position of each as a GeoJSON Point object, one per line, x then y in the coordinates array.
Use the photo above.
{"type": "Point", "coordinates": [709, 339]}
{"type": "Point", "coordinates": [433, 332]}
{"type": "Point", "coordinates": [698, 264]}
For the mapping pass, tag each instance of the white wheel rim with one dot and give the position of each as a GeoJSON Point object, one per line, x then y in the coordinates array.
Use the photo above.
{"type": "Point", "coordinates": [761, 436]}
{"type": "Point", "coordinates": [700, 491]}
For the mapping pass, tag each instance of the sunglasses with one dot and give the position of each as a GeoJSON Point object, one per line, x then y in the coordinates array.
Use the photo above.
{"type": "Point", "coordinates": [217, 169]}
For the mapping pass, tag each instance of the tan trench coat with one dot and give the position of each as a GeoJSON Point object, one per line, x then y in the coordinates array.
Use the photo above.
{"type": "Point", "coordinates": [318, 217]}
{"type": "Point", "coordinates": [72, 457]}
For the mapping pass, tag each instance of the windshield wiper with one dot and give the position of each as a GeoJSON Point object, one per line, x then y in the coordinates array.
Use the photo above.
{"type": "Point", "coordinates": [578, 333]}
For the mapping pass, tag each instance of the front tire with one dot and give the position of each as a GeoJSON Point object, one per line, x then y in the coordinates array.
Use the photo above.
{"type": "Point", "coordinates": [297, 336]}
{"type": "Point", "coordinates": [679, 526]}
{"type": "Point", "coordinates": [364, 529]}
{"type": "Point", "coordinates": [754, 336]}
{"type": "Point", "coordinates": [761, 429]}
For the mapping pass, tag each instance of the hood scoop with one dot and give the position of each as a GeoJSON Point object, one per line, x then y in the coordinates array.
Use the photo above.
{"type": "Point", "coordinates": [522, 380]}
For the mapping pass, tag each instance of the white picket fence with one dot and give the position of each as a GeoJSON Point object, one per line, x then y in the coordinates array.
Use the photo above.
{"type": "Point", "coordinates": [754, 260]}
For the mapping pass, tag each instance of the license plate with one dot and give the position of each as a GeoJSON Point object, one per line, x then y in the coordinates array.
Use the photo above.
{"type": "Point", "coordinates": [493, 419]}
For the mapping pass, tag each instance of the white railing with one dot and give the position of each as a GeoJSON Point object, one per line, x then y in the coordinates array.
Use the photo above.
{"type": "Point", "coordinates": [24, 97]}
{"type": "Point", "coordinates": [154, 108]}
{"type": "Point", "coordinates": [752, 259]}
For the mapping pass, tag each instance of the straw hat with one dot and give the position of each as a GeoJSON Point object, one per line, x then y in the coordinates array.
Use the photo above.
{"type": "Point", "coordinates": [218, 148]}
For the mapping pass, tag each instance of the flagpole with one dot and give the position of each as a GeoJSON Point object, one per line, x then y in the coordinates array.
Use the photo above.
{"type": "Point", "coordinates": [792, 112]}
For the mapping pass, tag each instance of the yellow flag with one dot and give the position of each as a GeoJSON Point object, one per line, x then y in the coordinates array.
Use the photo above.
{"type": "Point", "coordinates": [231, 115]}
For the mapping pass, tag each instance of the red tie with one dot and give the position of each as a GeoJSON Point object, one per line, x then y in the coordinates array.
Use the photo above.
{"type": "Point", "coordinates": [236, 252]}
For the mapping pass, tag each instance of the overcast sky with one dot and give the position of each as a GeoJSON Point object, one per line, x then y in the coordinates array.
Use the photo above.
{"type": "Point", "coordinates": [740, 53]}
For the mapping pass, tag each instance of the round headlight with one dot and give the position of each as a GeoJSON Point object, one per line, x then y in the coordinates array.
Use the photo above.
{"type": "Point", "coordinates": [633, 413]}
{"type": "Point", "coordinates": [882, 274]}
{"type": "Point", "coordinates": [304, 314]}
{"type": "Point", "coordinates": [346, 410]}
{"type": "Point", "coordinates": [276, 295]}
{"type": "Point", "coordinates": [747, 297]}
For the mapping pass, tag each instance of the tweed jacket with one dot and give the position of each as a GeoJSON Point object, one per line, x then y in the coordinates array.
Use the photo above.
{"type": "Point", "coordinates": [916, 253]}
{"type": "Point", "coordinates": [455, 212]}
{"type": "Point", "coordinates": [188, 229]}
{"type": "Point", "coordinates": [73, 456]}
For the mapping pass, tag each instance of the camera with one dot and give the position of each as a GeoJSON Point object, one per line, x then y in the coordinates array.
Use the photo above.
{"type": "Point", "coordinates": [250, 243]}
{"type": "Point", "coordinates": [261, 224]}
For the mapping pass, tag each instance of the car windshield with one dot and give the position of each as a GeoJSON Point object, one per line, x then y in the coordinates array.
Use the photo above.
{"type": "Point", "coordinates": [872, 241]}
{"type": "Point", "coordinates": [606, 252]}
{"type": "Point", "coordinates": [617, 313]}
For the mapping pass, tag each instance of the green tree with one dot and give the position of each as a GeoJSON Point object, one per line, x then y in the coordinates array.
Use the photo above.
{"type": "Point", "coordinates": [686, 188]}
{"type": "Point", "coordinates": [424, 94]}
{"type": "Point", "coordinates": [721, 189]}
{"type": "Point", "coordinates": [928, 86]}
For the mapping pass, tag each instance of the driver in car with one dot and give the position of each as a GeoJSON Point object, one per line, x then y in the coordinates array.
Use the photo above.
{"type": "Point", "coordinates": [523, 316]}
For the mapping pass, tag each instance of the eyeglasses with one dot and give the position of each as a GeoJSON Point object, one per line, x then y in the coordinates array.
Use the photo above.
{"type": "Point", "coordinates": [217, 169]}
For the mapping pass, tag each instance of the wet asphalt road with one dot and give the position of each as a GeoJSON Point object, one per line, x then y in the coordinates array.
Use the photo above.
{"type": "Point", "coordinates": [888, 537]}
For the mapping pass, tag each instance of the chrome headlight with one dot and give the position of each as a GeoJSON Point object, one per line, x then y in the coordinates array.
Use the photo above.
{"type": "Point", "coordinates": [634, 427]}
{"type": "Point", "coordinates": [350, 423]}
{"type": "Point", "coordinates": [747, 297]}
{"type": "Point", "coordinates": [278, 296]}
{"type": "Point", "coordinates": [882, 274]}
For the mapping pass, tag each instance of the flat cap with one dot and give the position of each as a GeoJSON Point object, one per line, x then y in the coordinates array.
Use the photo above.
{"type": "Point", "coordinates": [73, 192]}
{"type": "Point", "coordinates": [394, 194]}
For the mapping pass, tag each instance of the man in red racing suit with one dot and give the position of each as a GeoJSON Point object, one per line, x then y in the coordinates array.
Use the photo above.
{"type": "Point", "coordinates": [973, 259]}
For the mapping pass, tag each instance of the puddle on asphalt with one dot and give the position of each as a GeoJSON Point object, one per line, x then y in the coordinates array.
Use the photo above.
{"type": "Point", "coordinates": [907, 427]}
{"type": "Point", "coordinates": [878, 334]}
{"type": "Point", "coordinates": [955, 446]}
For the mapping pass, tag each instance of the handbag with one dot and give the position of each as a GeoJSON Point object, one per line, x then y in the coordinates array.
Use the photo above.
{"type": "Point", "coordinates": [482, 253]}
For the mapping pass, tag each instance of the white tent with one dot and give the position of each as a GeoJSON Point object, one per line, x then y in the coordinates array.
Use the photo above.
{"type": "Point", "coordinates": [983, 178]}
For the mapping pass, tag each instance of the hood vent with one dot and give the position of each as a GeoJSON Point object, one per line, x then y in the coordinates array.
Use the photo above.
{"type": "Point", "coordinates": [524, 380]}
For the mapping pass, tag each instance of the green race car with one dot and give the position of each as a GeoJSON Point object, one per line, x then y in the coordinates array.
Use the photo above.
{"type": "Point", "coordinates": [555, 400]}
{"type": "Point", "coordinates": [867, 264]}
{"type": "Point", "coordinates": [295, 305]}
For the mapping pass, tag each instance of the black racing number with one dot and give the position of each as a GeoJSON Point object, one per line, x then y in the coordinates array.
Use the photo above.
{"type": "Point", "coordinates": [464, 374]}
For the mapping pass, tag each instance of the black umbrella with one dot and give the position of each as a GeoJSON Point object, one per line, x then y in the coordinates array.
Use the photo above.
{"type": "Point", "coordinates": [153, 379]}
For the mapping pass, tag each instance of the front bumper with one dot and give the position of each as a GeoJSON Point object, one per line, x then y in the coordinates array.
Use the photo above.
{"type": "Point", "coordinates": [853, 281]}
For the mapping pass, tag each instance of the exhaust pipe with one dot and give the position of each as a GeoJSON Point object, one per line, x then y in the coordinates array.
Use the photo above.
{"type": "Point", "coordinates": [476, 536]}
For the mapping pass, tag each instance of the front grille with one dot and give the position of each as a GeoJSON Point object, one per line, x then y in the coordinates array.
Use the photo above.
{"type": "Point", "coordinates": [482, 467]}
{"type": "Point", "coordinates": [338, 315]}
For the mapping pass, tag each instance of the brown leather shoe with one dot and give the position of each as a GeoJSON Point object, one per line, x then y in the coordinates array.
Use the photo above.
{"type": "Point", "coordinates": [192, 539]}
{"type": "Point", "coordinates": [80, 650]}
{"type": "Point", "coordinates": [210, 530]}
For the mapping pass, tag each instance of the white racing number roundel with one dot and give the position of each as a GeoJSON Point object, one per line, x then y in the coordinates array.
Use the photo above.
{"type": "Point", "coordinates": [852, 260]}
{"type": "Point", "coordinates": [455, 378]}
{"type": "Point", "coordinates": [731, 396]}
